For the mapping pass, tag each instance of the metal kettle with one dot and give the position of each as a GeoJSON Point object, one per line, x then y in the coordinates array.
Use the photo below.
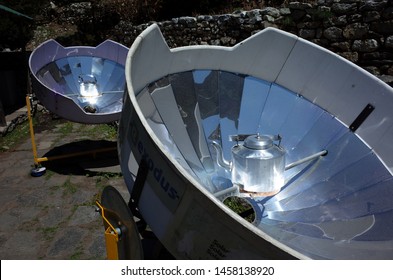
{"type": "Point", "coordinates": [258, 164]}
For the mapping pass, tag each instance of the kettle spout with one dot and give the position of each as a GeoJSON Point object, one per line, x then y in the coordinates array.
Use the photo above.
{"type": "Point", "coordinates": [220, 156]}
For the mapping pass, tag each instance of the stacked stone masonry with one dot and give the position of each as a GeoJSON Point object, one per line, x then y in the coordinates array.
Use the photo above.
{"type": "Point", "coordinates": [359, 30]}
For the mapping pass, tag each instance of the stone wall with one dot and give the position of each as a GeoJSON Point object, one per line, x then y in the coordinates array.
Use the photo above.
{"type": "Point", "coordinates": [359, 30]}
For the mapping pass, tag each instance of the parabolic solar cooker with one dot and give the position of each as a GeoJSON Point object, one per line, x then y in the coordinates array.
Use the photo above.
{"type": "Point", "coordinates": [301, 135]}
{"type": "Point", "coordinates": [81, 84]}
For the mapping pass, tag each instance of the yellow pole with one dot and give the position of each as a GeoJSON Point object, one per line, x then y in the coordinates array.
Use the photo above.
{"type": "Point", "coordinates": [42, 159]}
{"type": "Point", "coordinates": [31, 130]}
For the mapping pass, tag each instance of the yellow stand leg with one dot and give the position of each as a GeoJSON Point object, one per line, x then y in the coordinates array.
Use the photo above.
{"type": "Point", "coordinates": [111, 236]}
{"type": "Point", "coordinates": [111, 244]}
{"type": "Point", "coordinates": [36, 162]}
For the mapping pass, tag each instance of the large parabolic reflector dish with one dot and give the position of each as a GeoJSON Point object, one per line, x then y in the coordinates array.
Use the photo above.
{"type": "Point", "coordinates": [82, 84]}
{"type": "Point", "coordinates": [186, 108]}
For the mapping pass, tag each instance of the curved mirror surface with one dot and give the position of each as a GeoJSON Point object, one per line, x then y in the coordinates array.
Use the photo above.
{"type": "Point", "coordinates": [93, 83]}
{"type": "Point", "coordinates": [335, 206]}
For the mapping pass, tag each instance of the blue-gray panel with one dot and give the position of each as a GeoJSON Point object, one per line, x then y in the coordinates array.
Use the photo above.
{"type": "Point", "coordinates": [255, 93]}
{"type": "Point", "coordinates": [342, 153]}
{"type": "Point", "coordinates": [66, 74]}
{"type": "Point", "coordinates": [230, 87]}
{"type": "Point", "coordinates": [324, 201]}
{"type": "Point", "coordinates": [382, 230]}
{"type": "Point", "coordinates": [115, 80]}
{"type": "Point", "coordinates": [278, 106]}
{"type": "Point", "coordinates": [184, 93]}
{"type": "Point", "coordinates": [87, 65]}
{"type": "Point", "coordinates": [75, 64]}
{"type": "Point", "coordinates": [206, 90]}
{"type": "Point", "coordinates": [328, 248]}
{"type": "Point", "coordinates": [299, 122]}
{"type": "Point", "coordinates": [325, 130]}
{"type": "Point", "coordinates": [106, 73]}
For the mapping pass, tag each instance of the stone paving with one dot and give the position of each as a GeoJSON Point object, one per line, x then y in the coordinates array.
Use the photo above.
{"type": "Point", "coordinates": [53, 216]}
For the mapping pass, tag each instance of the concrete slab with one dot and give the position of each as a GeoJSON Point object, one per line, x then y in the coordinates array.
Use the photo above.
{"type": "Point", "coordinates": [84, 215]}
{"type": "Point", "coordinates": [21, 245]}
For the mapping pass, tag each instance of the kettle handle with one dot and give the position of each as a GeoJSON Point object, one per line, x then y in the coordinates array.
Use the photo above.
{"type": "Point", "coordinates": [242, 137]}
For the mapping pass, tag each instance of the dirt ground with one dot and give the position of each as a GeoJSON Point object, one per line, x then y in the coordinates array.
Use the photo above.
{"type": "Point", "coordinates": [53, 216]}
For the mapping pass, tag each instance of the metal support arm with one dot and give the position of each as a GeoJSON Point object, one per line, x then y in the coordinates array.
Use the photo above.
{"type": "Point", "coordinates": [306, 159]}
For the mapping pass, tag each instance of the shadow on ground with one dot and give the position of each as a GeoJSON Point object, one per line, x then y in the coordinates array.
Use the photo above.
{"type": "Point", "coordinates": [83, 158]}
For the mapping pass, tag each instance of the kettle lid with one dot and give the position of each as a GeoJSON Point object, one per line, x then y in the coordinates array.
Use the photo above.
{"type": "Point", "coordinates": [258, 142]}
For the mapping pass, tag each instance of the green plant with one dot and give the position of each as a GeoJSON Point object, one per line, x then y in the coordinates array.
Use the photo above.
{"type": "Point", "coordinates": [78, 255]}
{"type": "Point", "coordinates": [66, 128]}
{"type": "Point", "coordinates": [15, 137]}
{"type": "Point", "coordinates": [48, 174]}
{"type": "Point", "coordinates": [69, 187]}
{"type": "Point", "coordinates": [102, 131]}
{"type": "Point", "coordinates": [48, 232]}
{"type": "Point", "coordinates": [240, 206]}
{"type": "Point", "coordinates": [102, 178]}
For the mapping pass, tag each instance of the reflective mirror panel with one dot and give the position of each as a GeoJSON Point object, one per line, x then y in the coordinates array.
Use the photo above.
{"type": "Point", "coordinates": [95, 84]}
{"type": "Point", "coordinates": [335, 206]}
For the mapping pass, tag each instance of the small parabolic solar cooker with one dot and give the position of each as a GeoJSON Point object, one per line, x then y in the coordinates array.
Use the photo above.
{"type": "Point", "coordinates": [81, 84]}
{"type": "Point", "coordinates": [300, 134]}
